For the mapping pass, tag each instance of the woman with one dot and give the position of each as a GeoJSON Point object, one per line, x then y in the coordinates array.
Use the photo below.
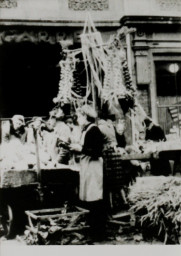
{"type": "Point", "coordinates": [91, 169]}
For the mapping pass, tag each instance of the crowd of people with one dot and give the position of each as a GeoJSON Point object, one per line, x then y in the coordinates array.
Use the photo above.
{"type": "Point", "coordinates": [95, 143]}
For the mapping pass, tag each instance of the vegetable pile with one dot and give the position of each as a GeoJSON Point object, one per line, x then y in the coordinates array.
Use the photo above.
{"type": "Point", "coordinates": [156, 203]}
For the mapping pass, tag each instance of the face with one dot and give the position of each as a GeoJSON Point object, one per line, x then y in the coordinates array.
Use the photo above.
{"type": "Point", "coordinates": [51, 123]}
{"type": "Point", "coordinates": [17, 124]}
{"type": "Point", "coordinates": [142, 135]}
{"type": "Point", "coordinates": [37, 123]}
{"type": "Point", "coordinates": [120, 128]}
{"type": "Point", "coordinates": [81, 119]}
{"type": "Point", "coordinates": [59, 113]}
{"type": "Point", "coordinates": [69, 122]}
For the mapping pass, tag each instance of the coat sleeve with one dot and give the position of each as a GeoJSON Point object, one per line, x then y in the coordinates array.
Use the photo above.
{"type": "Point", "coordinates": [93, 143]}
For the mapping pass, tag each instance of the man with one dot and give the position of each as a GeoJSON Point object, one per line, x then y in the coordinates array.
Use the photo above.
{"type": "Point", "coordinates": [155, 133]}
{"type": "Point", "coordinates": [63, 134]}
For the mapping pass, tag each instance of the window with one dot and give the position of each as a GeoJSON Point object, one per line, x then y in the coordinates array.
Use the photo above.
{"type": "Point", "coordinates": [168, 82]}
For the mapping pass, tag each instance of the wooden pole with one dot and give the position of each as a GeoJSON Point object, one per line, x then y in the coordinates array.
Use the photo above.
{"type": "Point", "coordinates": [129, 56]}
{"type": "Point", "coordinates": [38, 164]}
{"type": "Point", "coordinates": [129, 60]}
{"type": "Point", "coordinates": [177, 101]}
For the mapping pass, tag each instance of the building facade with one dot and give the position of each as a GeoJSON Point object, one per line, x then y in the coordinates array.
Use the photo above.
{"type": "Point", "coordinates": [156, 54]}
{"type": "Point", "coordinates": [30, 32]}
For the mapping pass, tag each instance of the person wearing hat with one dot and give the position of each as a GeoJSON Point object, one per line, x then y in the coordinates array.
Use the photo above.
{"type": "Point", "coordinates": [15, 149]}
{"type": "Point", "coordinates": [63, 133]}
{"type": "Point", "coordinates": [38, 136]}
{"type": "Point", "coordinates": [16, 129]}
{"type": "Point", "coordinates": [75, 129]}
{"type": "Point", "coordinates": [91, 169]}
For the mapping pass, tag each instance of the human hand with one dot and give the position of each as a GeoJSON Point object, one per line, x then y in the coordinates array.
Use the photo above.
{"type": "Point", "coordinates": [135, 162]}
{"type": "Point", "coordinates": [120, 151]}
{"type": "Point", "coordinates": [75, 147]}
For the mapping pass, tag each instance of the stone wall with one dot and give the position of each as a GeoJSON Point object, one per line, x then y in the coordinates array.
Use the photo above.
{"type": "Point", "coordinates": [143, 98]}
{"type": "Point", "coordinates": [74, 11]}
{"type": "Point", "coordinates": [153, 7]}
{"type": "Point", "coordinates": [62, 10]}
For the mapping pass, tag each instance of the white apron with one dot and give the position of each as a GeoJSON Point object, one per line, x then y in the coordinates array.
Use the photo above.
{"type": "Point", "coordinates": [91, 176]}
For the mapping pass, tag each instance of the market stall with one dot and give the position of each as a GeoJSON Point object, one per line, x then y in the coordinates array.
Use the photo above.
{"type": "Point", "coordinates": [43, 165]}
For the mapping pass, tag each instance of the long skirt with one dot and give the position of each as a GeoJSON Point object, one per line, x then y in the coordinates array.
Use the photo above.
{"type": "Point", "coordinates": [91, 179]}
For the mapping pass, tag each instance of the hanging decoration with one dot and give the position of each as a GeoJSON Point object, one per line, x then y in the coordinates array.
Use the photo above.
{"type": "Point", "coordinates": [107, 75]}
{"type": "Point", "coordinates": [113, 86]}
{"type": "Point", "coordinates": [94, 59]}
{"type": "Point", "coordinates": [67, 68]}
{"type": "Point", "coordinates": [118, 85]}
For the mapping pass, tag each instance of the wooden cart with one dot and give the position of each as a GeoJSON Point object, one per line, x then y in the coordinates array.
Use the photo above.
{"type": "Point", "coordinates": [22, 190]}
{"type": "Point", "coordinates": [31, 189]}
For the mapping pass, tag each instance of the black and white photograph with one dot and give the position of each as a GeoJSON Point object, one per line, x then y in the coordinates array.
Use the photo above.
{"type": "Point", "coordinates": [90, 124]}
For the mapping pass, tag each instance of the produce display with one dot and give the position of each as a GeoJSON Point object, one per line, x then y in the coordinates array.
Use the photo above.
{"type": "Point", "coordinates": [117, 80]}
{"type": "Point", "coordinates": [15, 155]}
{"type": "Point", "coordinates": [67, 67]}
{"type": "Point", "coordinates": [108, 79]}
{"type": "Point", "coordinates": [156, 203]}
{"type": "Point", "coordinates": [113, 87]}
{"type": "Point", "coordinates": [77, 87]}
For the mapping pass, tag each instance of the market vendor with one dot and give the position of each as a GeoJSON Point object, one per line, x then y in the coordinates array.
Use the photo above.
{"type": "Point", "coordinates": [155, 133]}
{"type": "Point", "coordinates": [120, 128]}
{"type": "Point", "coordinates": [63, 134]}
{"type": "Point", "coordinates": [113, 171]}
{"type": "Point", "coordinates": [106, 127]}
{"type": "Point", "coordinates": [75, 130]}
{"type": "Point", "coordinates": [16, 129]}
{"type": "Point", "coordinates": [91, 169]}
{"type": "Point", "coordinates": [75, 136]}
{"type": "Point", "coordinates": [49, 149]}
{"type": "Point", "coordinates": [41, 135]}
{"type": "Point", "coordinates": [130, 168]}
{"type": "Point", "coordinates": [37, 124]}
{"type": "Point", "coordinates": [16, 152]}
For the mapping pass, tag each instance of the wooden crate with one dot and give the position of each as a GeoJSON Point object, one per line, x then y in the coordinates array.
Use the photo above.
{"type": "Point", "coordinates": [55, 216]}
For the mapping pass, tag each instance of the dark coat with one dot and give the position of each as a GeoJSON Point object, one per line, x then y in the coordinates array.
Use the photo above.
{"type": "Point", "coordinates": [155, 133]}
{"type": "Point", "coordinates": [93, 142]}
{"type": "Point", "coordinates": [158, 166]}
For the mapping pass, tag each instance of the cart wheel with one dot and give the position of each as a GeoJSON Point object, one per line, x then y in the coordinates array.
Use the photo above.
{"type": "Point", "coordinates": [7, 220]}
